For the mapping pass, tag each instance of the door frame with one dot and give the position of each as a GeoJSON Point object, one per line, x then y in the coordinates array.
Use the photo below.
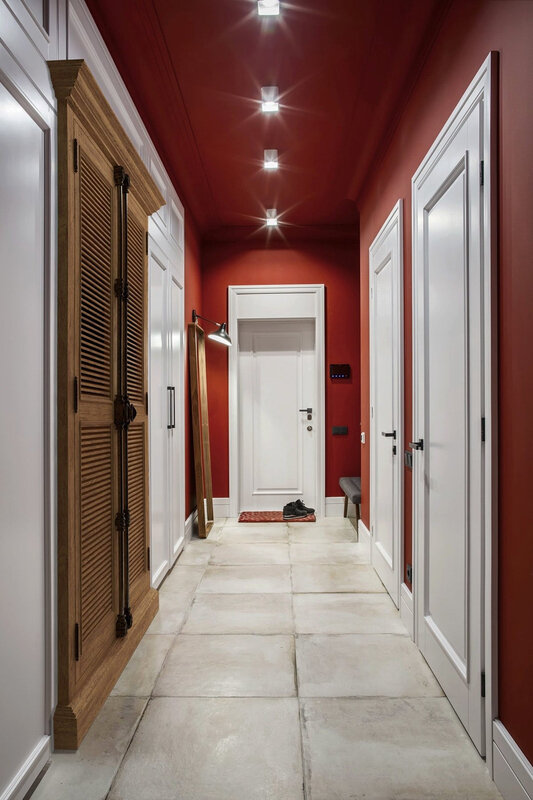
{"type": "Point", "coordinates": [482, 89]}
{"type": "Point", "coordinates": [395, 219]}
{"type": "Point", "coordinates": [271, 302]}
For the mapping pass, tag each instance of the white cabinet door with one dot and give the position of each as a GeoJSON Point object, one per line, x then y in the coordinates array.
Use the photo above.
{"type": "Point", "coordinates": [176, 380]}
{"type": "Point", "coordinates": [23, 556]}
{"type": "Point", "coordinates": [277, 372]}
{"type": "Point", "coordinates": [158, 408]}
{"type": "Point", "coordinates": [449, 409]}
{"type": "Point", "coordinates": [386, 441]}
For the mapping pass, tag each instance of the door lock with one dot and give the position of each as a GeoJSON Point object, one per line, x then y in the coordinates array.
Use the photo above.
{"type": "Point", "coordinates": [309, 427]}
{"type": "Point", "coordinates": [308, 411]}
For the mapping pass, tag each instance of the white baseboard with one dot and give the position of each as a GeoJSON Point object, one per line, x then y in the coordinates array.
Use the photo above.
{"type": "Point", "coordinates": [406, 609]}
{"type": "Point", "coordinates": [513, 773]}
{"type": "Point", "coordinates": [29, 771]}
{"type": "Point", "coordinates": [364, 533]}
{"type": "Point", "coordinates": [189, 524]}
{"type": "Point", "coordinates": [335, 507]}
{"type": "Point", "coordinates": [221, 507]}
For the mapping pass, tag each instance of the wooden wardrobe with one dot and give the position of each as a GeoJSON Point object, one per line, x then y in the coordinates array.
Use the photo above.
{"type": "Point", "coordinates": [105, 602]}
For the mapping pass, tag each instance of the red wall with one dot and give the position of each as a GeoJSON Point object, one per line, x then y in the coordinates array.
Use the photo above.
{"type": "Point", "coordinates": [331, 263]}
{"type": "Point", "coordinates": [470, 31]}
{"type": "Point", "coordinates": [193, 299]}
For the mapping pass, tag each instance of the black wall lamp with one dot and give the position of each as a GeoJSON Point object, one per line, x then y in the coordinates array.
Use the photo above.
{"type": "Point", "coordinates": [220, 335]}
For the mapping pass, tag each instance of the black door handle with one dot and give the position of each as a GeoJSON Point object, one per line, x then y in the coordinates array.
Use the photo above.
{"type": "Point", "coordinates": [170, 415]}
{"type": "Point", "coordinates": [389, 434]}
{"type": "Point", "coordinates": [417, 445]}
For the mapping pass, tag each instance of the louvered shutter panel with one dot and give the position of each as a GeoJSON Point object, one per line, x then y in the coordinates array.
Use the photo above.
{"type": "Point", "coordinates": [139, 574]}
{"type": "Point", "coordinates": [96, 434]}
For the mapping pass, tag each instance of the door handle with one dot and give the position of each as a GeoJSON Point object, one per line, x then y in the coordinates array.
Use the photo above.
{"type": "Point", "coordinates": [308, 411]}
{"type": "Point", "coordinates": [389, 434]}
{"type": "Point", "coordinates": [417, 445]}
{"type": "Point", "coordinates": [171, 409]}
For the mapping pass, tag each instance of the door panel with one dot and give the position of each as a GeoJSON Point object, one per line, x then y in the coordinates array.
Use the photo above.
{"type": "Point", "coordinates": [449, 343]}
{"type": "Point", "coordinates": [276, 379]}
{"type": "Point", "coordinates": [176, 510]}
{"type": "Point", "coordinates": [24, 176]}
{"type": "Point", "coordinates": [386, 401]}
{"type": "Point", "coordinates": [159, 419]}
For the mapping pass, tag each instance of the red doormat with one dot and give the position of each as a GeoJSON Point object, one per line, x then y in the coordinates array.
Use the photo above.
{"type": "Point", "coordinates": [271, 516]}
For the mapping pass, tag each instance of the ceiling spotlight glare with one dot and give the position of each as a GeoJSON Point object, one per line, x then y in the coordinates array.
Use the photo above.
{"type": "Point", "coordinates": [269, 99]}
{"type": "Point", "coordinates": [271, 159]}
{"type": "Point", "coordinates": [272, 217]}
{"type": "Point", "coordinates": [268, 8]}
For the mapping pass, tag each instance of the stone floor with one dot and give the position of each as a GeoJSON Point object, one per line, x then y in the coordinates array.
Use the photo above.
{"type": "Point", "coordinates": [277, 669]}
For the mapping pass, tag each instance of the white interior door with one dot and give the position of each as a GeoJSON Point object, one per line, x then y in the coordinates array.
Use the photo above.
{"type": "Point", "coordinates": [24, 176]}
{"type": "Point", "coordinates": [277, 378]}
{"type": "Point", "coordinates": [449, 413]}
{"type": "Point", "coordinates": [177, 481]}
{"type": "Point", "coordinates": [159, 420]}
{"type": "Point", "coordinates": [386, 381]}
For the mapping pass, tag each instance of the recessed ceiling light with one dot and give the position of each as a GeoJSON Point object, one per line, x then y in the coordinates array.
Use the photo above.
{"type": "Point", "coordinates": [271, 159]}
{"type": "Point", "coordinates": [268, 8]}
{"type": "Point", "coordinates": [269, 98]}
{"type": "Point", "coordinates": [272, 217]}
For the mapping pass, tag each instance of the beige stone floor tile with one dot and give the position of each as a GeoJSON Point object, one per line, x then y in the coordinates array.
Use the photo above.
{"type": "Point", "coordinates": [214, 749]}
{"type": "Point", "coordinates": [304, 533]}
{"type": "Point", "coordinates": [371, 665]}
{"type": "Point", "coordinates": [173, 610]}
{"type": "Point", "coordinates": [228, 666]}
{"type": "Point", "coordinates": [333, 522]}
{"type": "Point", "coordinates": [87, 773]}
{"type": "Point", "coordinates": [234, 523]}
{"type": "Point", "coordinates": [246, 579]}
{"type": "Point", "coordinates": [383, 749]}
{"type": "Point", "coordinates": [139, 676]}
{"type": "Point", "coordinates": [254, 533]}
{"type": "Point", "coordinates": [327, 553]}
{"type": "Point", "coordinates": [197, 552]}
{"type": "Point", "coordinates": [260, 553]}
{"type": "Point", "coordinates": [182, 579]}
{"type": "Point", "coordinates": [240, 613]}
{"type": "Point", "coordinates": [346, 613]}
{"type": "Point", "coordinates": [335, 578]}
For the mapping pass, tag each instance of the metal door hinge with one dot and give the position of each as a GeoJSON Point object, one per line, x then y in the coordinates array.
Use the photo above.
{"type": "Point", "coordinates": [75, 154]}
{"type": "Point", "coordinates": [409, 573]}
{"type": "Point", "coordinates": [482, 429]}
{"type": "Point", "coordinates": [482, 173]}
{"type": "Point", "coordinates": [76, 395]}
{"type": "Point", "coordinates": [77, 641]}
{"type": "Point", "coordinates": [483, 684]}
{"type": "Point", "coordinates": [148, 557]}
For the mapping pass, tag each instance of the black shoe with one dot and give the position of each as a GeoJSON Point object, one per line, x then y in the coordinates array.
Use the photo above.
{"type": "Point", "coordinates": [291, 511]}
{"type": "Point", "coordinates": [301, 506]}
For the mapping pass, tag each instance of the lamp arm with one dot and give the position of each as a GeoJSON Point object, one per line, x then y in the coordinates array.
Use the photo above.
{"type": "Point", "coordinates": [196, 316]}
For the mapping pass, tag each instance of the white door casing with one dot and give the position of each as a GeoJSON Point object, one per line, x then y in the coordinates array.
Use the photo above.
{"type": "Point", "coordinates": [386, 401]}
{"type": "Point", "coordinates": [452, 393]}
{"type": "Point", "coordinates": [277, 440]}
{"type": "Point", "coordinates": [282, 303]}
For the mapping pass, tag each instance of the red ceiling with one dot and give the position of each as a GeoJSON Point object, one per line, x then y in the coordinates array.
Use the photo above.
{"type": "Point", "coordinates": [195, 67]}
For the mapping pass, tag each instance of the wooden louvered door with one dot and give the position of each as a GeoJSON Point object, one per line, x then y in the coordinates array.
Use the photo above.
{"type": "Point", "coordinates": [95, 433]}
{"type": "Point", "coordinates": [105, 601]}
{"type": "Point", "coordinates": [137, 384]}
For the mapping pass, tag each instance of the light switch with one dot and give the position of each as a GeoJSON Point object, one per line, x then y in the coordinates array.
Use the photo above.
{"type": "Point", "coordinates": [363, 437]}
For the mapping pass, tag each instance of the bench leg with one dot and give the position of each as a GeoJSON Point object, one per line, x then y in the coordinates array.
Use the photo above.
{"type": "Point", "coordinates": [345, 505]}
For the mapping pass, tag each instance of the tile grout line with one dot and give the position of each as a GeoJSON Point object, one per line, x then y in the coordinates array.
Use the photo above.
{"type": "Point", "coordinates": [305, 782]}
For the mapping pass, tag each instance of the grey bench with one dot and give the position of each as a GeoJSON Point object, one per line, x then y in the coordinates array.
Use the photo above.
{"type": "Point", "coordinates": [352, 491]}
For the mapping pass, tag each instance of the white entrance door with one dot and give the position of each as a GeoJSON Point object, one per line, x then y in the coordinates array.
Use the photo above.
{"type": "Point", "coordinates": [449, 352]}
{"type": "Point", "coordinates": [177, 478]}
{"type": "Point", "coordinates": [386, 382]}
{"type": "Point", "coordinates": [277, 379]}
